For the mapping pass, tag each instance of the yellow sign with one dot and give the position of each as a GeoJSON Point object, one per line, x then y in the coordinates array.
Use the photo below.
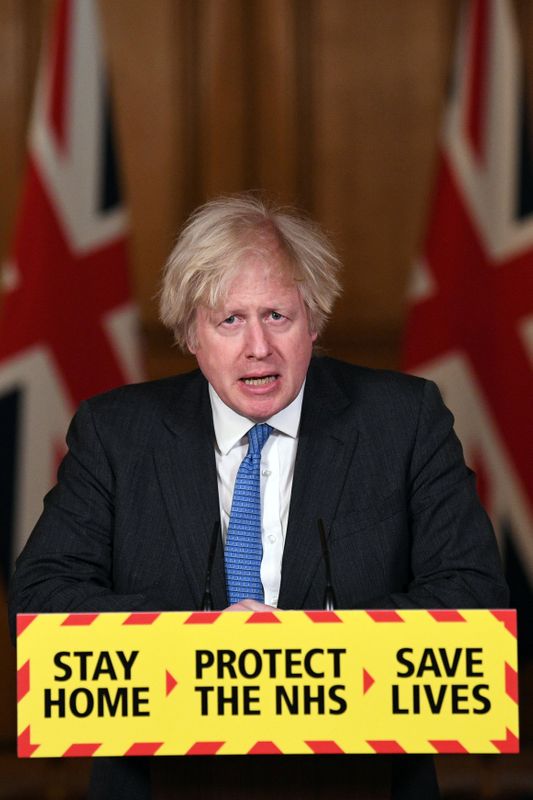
{"type": "Point", "coordinates": [287, 682]}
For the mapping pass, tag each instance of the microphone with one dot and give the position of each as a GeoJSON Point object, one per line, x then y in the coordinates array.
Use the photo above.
{"type": "Point", "coordinates": [207, 600]}
{"type": "Point", "coordinates": [330, 602]}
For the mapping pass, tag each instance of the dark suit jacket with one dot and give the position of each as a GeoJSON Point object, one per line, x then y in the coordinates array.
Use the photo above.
{"type": "Point", "coordinates": [129, 524]}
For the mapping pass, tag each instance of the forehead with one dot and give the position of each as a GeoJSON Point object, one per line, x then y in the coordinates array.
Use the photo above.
{"type": "Point", "coordinates": [258, 273]}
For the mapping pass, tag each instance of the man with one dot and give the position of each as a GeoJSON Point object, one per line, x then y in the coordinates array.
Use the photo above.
{"type": "Point", "coordinates": [152, 467]}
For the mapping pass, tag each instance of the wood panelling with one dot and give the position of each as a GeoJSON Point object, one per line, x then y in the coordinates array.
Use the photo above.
{"type": "Point", "coordinates": [274, 98]}
{"type": "Point", "coordinates": [223, 95]}
{"type": "Point", "coordinates": [147, 46]}
{"type": "Point", "coordinates": [379, 77]}
{"type": "Point", "coordinates": [21, 26]}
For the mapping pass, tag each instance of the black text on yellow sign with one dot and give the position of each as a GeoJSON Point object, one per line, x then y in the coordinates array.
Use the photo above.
{"type": "Point", "coordinates": [355, 681]}
{"type": "Point", "coordinates": [76, 668]}
{"type": "Point", "coordinates": [278, 665]}
{"type": "Point", "coordinates": [414, 694]}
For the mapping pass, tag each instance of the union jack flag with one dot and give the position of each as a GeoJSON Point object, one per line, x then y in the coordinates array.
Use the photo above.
{"type": "Point", "coordinates": [67, 328]}
{"type": "Point", "coordinates": [470, 325]}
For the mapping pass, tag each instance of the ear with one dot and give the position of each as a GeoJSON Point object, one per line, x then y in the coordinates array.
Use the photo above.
{"type": "Point", "coordinates": [314, 336]}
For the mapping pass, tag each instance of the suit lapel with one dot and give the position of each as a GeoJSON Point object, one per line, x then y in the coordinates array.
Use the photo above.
{"type": "Point", "coordinates": [185, 465]}
{"type": "Point", "coordinates": [326, 444]}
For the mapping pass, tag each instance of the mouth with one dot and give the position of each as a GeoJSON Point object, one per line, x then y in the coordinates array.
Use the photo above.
{"type": "Point", "coordinates": [262, 380]}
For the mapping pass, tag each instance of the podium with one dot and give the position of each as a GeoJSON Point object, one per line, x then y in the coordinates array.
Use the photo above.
{"type": "Point", "coordinates": [291, 682]}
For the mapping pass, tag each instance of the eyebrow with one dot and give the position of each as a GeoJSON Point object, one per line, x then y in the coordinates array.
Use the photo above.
{"type": "Point", "coordinates": [229, 310]}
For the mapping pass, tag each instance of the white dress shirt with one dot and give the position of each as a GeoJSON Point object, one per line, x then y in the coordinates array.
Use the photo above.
{"type": "Point", "coordinates": [277, 470]}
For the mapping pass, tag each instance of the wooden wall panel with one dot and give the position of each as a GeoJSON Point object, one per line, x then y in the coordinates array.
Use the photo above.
{"type": "Point", "coordinates": [379, 71]}
{"type": "Point", "coordinates": [273, 118]}
{"type": "Point", "coordinates": [146, 56]}
{"type": "Point", "coordinates": [223, 95]}
{"type": "Point", "coordinates": [20, 36]}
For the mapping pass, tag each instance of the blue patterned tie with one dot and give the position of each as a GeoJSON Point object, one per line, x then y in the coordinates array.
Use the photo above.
{"type": "Point", "coordinates": [244, 549]}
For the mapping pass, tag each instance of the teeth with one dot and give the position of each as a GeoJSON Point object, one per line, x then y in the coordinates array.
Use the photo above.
{"type": "Point", "coordinates": [259, 381]}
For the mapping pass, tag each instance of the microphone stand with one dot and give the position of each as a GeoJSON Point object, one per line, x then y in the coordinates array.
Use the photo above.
{"type": "Point", "coordinates": [207, 600]}
{"type": "Point", "coordinates": [330, 602]}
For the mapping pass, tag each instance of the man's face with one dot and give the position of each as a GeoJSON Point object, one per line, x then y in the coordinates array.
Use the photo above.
{"type": "Point", "coordinates": [256, 347]}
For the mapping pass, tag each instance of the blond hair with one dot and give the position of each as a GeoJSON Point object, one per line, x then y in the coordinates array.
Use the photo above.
{"type": "Point", "coordinates": [212, 244]}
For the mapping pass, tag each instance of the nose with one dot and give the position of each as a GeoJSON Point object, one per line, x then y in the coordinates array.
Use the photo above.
{"type": "Point", "coordinates": [257, 340]}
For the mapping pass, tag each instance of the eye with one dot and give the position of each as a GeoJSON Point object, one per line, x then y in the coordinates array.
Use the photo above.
{"type": "Point", "coordinates": [276, 315]}
{"type": "Point", "coordinates": [230, 320]}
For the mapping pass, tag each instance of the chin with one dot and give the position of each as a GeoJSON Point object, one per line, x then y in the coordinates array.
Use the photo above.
{"type": "Point", "coordinates": [256, 414]}
{"type": "Point", "coordinates": [260, 413]}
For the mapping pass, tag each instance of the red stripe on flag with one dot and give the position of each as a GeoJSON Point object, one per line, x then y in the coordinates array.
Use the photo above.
{"type": "Point", "coordinates": [484, 484]}
{"type": "Point", "coordinates": [475, 303]}
{"type": "Point", "coordinates": [204, 748]}
{"type": "Point", "coordinates": [60, 73]}
{"type": "Point", "coordinates": [141, 618]}
{"type": "Point", "coordinates": [80, 619]}
{"type": "Point", "coordinates": [323, 616]}
{"type": "Point", "coordinates": [23, 620]}
{"type": "Point", "coordinates": [321, 747]}
{"type": "Point", "coordinates": [511, 682]}
{"type": "Point", "coordinates": [265, 749]}
{"type": "Point", "coordinates": [202, 618]}
{"type": "Point", "coordinates": [385, 746]}
{"type": "Point", "coordinates": [42, 250]}
{"type": "Point", "coordinates": [25, 748]}
{"type": "Point", "coordinates": [446, 615]}
{"type": "Point", "coordinates": [447, 746]}
{"type": "Point", "coordinates": [508, 617]}
{"type": "Point", "coordinates": [508, 745]}
{"type": "Point", "coordinates": [477, 89]}
{"type": "Point", "coordinates": [81, 750]}
{"type": "Point", "coordinates": [385, 616]}
{"type": "Point", "coordinates": [23, 681]}
{"type": "Point", "coordinates": [262, 617]}
{"type": "Point", "coordinates": [143, 749]}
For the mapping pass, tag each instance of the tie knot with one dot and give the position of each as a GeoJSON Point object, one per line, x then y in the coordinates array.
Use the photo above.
{"type": "Point", "coordinates": [257, 437]}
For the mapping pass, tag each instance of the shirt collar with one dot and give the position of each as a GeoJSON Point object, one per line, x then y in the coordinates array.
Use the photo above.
{"type": "Point", "coordinates": [231, 427]}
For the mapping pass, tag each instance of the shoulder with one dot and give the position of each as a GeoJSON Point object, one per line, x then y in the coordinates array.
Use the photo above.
{"type": "Point", "coordinates": [135, 410]}
{"type": "Point", "coordinates": [150, 393]}
{"type": "Point", "coordinates": [376, 397]}
{"type": "Point", "coordinates": [363, 383]}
